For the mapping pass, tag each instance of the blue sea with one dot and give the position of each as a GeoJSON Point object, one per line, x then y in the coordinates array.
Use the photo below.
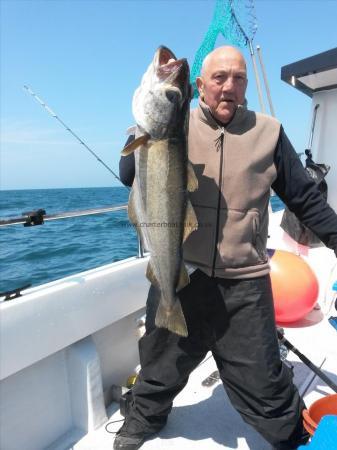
{"type": "Point", "coordinates": [38, 254]}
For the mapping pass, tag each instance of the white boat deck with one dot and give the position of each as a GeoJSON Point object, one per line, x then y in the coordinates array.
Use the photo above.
{"type": "Point", "coordinates": [202, 417]}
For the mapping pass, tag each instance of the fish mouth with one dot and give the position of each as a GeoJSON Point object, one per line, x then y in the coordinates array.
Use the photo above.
{"type": "Point", "coordinates": [164, 54]}
{"type": "Point", "coordinates": [169, 68]}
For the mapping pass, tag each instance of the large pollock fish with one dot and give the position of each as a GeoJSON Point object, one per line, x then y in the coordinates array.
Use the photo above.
{"type": "Point", "coordinates": [158, 203]}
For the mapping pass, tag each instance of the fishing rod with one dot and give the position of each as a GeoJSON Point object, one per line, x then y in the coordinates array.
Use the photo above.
{"type": "Point", "coordinates": [53, 114]}
{"type": "Point", "coordinates": [313, 123]}
{"type": "Point", "coordinates": [305, 360]}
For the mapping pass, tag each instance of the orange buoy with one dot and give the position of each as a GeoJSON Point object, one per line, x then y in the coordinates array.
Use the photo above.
{"type": "Point", "coordinates": [294, 285]}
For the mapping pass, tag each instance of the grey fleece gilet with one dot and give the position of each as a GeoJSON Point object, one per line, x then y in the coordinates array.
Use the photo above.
{"type": "Point", "coordinates": [235, 170]}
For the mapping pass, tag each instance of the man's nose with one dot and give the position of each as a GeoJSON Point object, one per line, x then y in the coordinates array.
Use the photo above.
{"type": "Point", "coordinates": [228, 84]}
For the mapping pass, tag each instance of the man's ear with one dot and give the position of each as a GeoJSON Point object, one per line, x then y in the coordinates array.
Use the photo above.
{"type": "Point", "coordinates": [200, 86]}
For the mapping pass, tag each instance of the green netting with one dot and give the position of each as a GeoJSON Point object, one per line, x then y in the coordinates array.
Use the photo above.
{"type": "Point", "coordinates": [235, 21]}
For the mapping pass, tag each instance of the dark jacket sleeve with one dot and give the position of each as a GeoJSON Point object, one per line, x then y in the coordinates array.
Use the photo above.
{"type": "Point", "coordinates": [301, 194]}
{"type": "Point", "coordinates": [127, 166]}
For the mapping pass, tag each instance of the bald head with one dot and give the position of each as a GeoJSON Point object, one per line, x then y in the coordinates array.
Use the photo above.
{"type": "Point", "coordinates": [224, 52]}
{"type": "Point", "coordinates": [223, 82]}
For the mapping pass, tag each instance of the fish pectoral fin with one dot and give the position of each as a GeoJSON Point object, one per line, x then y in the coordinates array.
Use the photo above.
{"type": "Point", "coordinates": [191, 221]}
{"type": "Point", "coordinates": [184, 278]}
{"type": "Point", "coordinates": [172, 320]}
{"type": "Point", "coordinates": [138, 142]}
{"type": "Point", "coordinates": [192, 180]}
{"type": "Point", "coordinates": [150, 275]}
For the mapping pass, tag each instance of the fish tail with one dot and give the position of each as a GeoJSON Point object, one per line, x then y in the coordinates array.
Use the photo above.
{"type": "Point", "coordinates": [173, 319]}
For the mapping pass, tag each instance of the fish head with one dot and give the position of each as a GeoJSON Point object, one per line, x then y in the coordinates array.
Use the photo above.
{"type": "Point", "coordinates": [161, 101]}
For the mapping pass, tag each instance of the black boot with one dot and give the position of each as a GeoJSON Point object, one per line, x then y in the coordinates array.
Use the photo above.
{"type": "Point", "coordinates": [128, 442]}
{"type": "Point", "coordinates": [131, 435]}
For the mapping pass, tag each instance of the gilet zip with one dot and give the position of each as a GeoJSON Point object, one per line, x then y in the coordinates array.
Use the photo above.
{"type": "Point", "coordinates": [222, 139]}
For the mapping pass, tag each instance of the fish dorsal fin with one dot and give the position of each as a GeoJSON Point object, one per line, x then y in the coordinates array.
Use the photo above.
{"type": "Point", "coordinates": [192, 180]}
{"type": "Point", "coordinates": [138, 142]}
{"type": "Point", "coordinates": [150, 275]}
{"type": "Point", "coordinates": [184, 279]}
{"type": "Point", "coordinates": [191, 221]}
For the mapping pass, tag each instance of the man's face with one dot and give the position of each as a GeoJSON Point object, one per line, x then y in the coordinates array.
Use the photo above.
{"type": "Point", "coordinates": [223, 84]}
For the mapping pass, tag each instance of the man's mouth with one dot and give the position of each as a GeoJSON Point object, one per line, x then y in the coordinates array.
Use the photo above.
{"type": "Point", "coordinates": [227, 103]}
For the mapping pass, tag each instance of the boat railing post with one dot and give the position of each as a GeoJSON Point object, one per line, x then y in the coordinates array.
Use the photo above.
{"type": "Point", "coordinates": [257, 79]}
{"type": "Point", "coordinates": [140, 247]}
{"type": "Point", "coordinates": [266, 84]}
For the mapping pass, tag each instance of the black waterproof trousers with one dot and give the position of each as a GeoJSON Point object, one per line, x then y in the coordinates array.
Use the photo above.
{"type": "Point", "coordinates": [234, 319]}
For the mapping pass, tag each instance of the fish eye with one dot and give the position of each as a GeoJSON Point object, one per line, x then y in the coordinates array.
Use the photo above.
{"type": "Point", "coordinates": [172, 95]}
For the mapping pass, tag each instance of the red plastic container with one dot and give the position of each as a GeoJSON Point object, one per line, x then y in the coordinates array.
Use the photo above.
{"type": "Point", "coordinates": [322, 407]}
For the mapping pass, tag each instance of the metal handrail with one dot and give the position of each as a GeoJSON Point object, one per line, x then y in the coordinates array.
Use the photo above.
{"type": "Point", "coordinates": [29, 216]}
{"type": "Point", "coordinates": [38, 217]}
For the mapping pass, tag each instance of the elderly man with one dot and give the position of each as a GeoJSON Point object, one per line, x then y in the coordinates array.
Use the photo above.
{"type": "Point", "coordinates": [238, 155]}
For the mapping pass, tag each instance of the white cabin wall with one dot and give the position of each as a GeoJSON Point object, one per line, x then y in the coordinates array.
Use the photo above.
{"type": "Point", "coordinates": [324, 147]}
